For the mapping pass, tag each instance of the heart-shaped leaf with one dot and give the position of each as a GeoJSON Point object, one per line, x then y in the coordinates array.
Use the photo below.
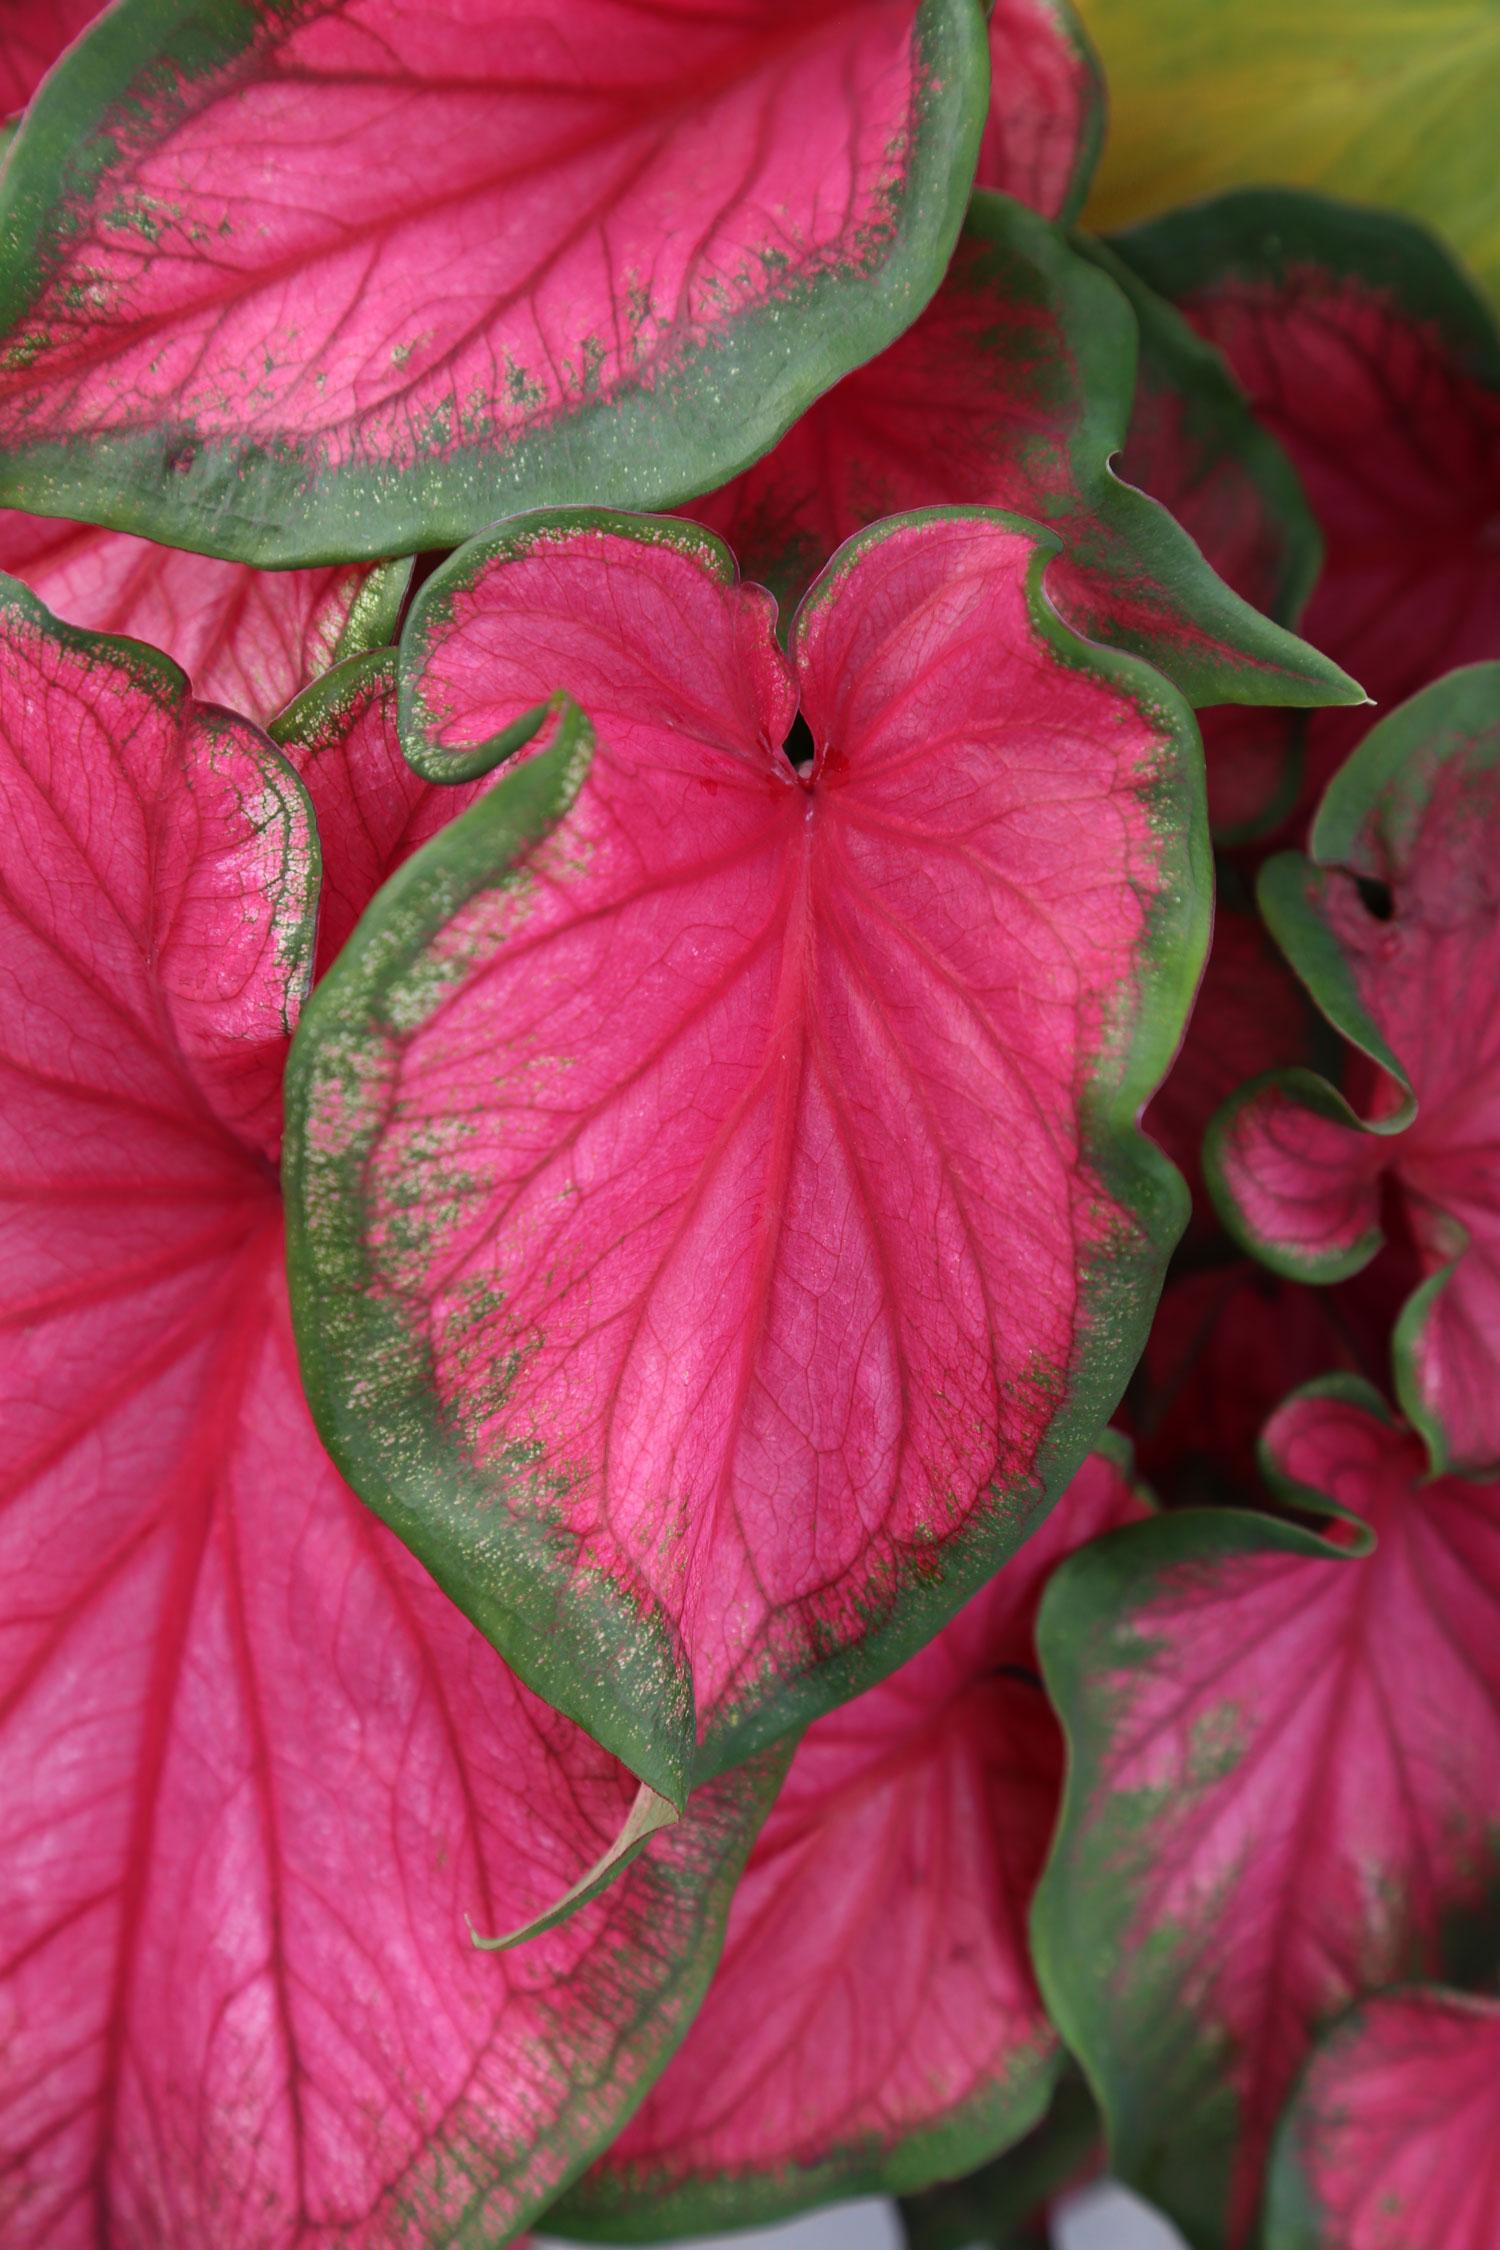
{"type": "Point", "coordinates": [605, 258]}
{"type": "Point", "coordinates": [721, 1221]}
{"type": "Point", "coordinates": [1014, 389]}
{"type": "Point", "coordinates": [874, 2023]}
{"type": "Point", "coordinates": [251, 639]}
{"type": "Point", "coordinates": [1366, 352]}
{"type": "Point", "coordinates": [33, 33]}
{"type": "Point", "coordinates": [1046, 119]}
{"type": "Point", "coordinates": [254, 1768]}
{"type": "Point", "coordinates": [1393, 2139]}
{"type": "Point", "coordinates": [1284, 1788]}
{"type": "Point", "coordinates": [1392, 924]}
{"type": "Point", "coordinates": [1388, 101]}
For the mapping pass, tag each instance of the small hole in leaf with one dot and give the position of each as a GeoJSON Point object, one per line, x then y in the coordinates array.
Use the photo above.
{"type": "Point", "coordinates": [180, 457]}
{"type": "Point", "coordinates": [1375, 897]}
{"type": "Point", "coordinates": [799, 745]}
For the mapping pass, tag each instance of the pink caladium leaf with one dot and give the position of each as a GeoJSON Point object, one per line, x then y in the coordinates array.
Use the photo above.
{"type": "Point", "coordinates": [33, 33]}
{"type": "Point", "coordinates": [874, 2022]}
{"type": "Point", "coordinates": [251, 639]}
{"type": "Point", "coordinates": [1014, 389]}
{"type": "Point", "coordinates": [1046, 121]}
{"type": "Point", "coordinates": [608, 257]}
{"type": "Point", "coordinates": [1284, 1760]}
{"type": "Point", "coordinates": [255, 1770]}
{"type": "Point", "coordinates": [1393, 2139]}
{"type": "Point", "coordinates": [720, 1217]}
{"type": "Point", "coordinates": [1375, 363]}
{"type": "Point", "coordinates": [1391, 922]}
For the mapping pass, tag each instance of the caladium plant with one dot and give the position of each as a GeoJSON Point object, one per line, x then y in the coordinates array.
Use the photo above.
{"type": "Point", "coordinates": [35, 33]}
{"type": "Point", "coordinates": [1391, 922]}
{"type": "Point", "coordinates": [1046, 122]}
{"type": "Point", "coordinates": [257, 1769]}
{"type": "Point", "coordinates": [212, 335]}
{"type": "Point", "coordinates": [874, 2023]}
{"type": "Point", "coordinates": [720, 1224]}
{"type": "Point", "coordinates": [1370, 356]}
{"type": "Point", "coordinates": [1394, 2134]}
{"type": "Point", "coordinates": [1284, 1787]}
{"type": "Point", "coordinates": [1015, 388]}
{"type": "Point", "coordinates": [251, 639]}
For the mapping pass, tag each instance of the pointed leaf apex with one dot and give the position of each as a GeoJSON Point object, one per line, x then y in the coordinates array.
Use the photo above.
{"type": "Point", "coordinates": [647, 1817]}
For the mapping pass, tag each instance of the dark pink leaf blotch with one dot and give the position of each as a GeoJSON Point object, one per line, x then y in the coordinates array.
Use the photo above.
{"type": "Point", "coordinates": [33, 33]}
{"type": "Point", "coordinates": [601, 254]}
{"type": "Point", "coordinates": [1373, 361]}
{"type": "Point", "coordinates": [250, 639]}
{"type": "Point", "coordinates": [1393, 2139]}
{"type": "Point", "coordinates": [1393, 924]}
{"type": "Point", "coordinates": [721, 1173]}
{"type": "Point", "coordinates": [874, 2022]}
{"type": "Point", "coordinates": [1046, 117]}
{"type": "Point", "coordinates": [1287, 1789]}
{"type": "Point", "coordinates": [254, 1768]}
{"type": "Point", "coordinates": [1014, 389]}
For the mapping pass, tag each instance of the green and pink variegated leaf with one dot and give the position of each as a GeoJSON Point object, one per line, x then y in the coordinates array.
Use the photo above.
{"type": "Point", "coordinates": [1046, 122]}
{"type": "Point", "coordinates": [1014, 389]}
{"type": "Point", "coordinates": [255, 1771]}
{"type": "Point", "coordinates": [1393, 923]}
{"type": "Point", "coordinates": [721, 1222]}
{"type": "Point", "coordinates": [251, 639]}
{"type": "Point", "coordinates": [874, 2023]}
{"type": "Point", "coordinates": [1392, 2141]}
{"type": "Point", "coordinates": [33, 33]}
{"type": "Point", "coordinates": [1005, 2204]}
{"type": "Point", "coordinates": [607, 254]}
{"type": "Point", "coordinates": [1284, 1788]}
{"type": "Point", "coordinates": [1372, 359]}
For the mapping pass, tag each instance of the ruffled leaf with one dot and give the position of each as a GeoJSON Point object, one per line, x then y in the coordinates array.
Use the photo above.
{"type": "Point", "coordinates": [1387, 101]}
{"type": "Point", "coordinates": [605, 260]}
{"type": "Point", "coordinates": [1392, 924]}
{"type": "Point", "coordinates": [1014, 389]}
{"type": "Point", "coordinates": [874, 2023]}
{"type": "Point", "coordinates": [1046, 121]}
{"type": "Point", "coordinates": [1284, 1789]}
{"type": "Point", "coordinates": [251, 639]}
{"type": "Point", "coordinates": [1394, 2134]}
{"type": "Point", "coordinates": [254, 1768]}
{"type": "Point", "coordinates": [1368, 355]}
{"type": "Point", "coordinates": [721, 1218]}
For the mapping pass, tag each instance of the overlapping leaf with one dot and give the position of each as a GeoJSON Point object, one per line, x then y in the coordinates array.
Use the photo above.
{"type": "Point", "coordinates": [1386, 101]}
{"type": "Point", "coordinates": [1394, 2135]}
{"type": "Point", "coordinates": [254, 1769]}
{"type": "Point", "coordinates": [33, 33]}
{"type": "Point", "coordinates": [1368, 355]}
{"type": "Point", "coordinates": [721, 1217]}
{"type": "Point", "coordinates": [1284, 1789]}
{"type": "Point", "coordinates": [251, 639]}
{"type": "Point", "coordinates": [1014, 389]}
{"type": "Point", "coordinates": [1392, 924]}
{"type": "Point", "coordinates": [606, 256]}
{"type": "Point", "coordinates": [874, 2023]}
{"type": "Point", "coordinates": [1046, 119]}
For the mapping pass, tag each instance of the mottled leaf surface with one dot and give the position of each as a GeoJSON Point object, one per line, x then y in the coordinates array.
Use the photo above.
{"type": "Point", "coordinates": [250, 639]}
{"type": "Point", "coordinates": [1368, 355]}
{"type": "Point", "coordinates": [1385, 101]}
{"type": "Point", "coordinates": [1014, 389]}
{"type": "Point", "coordinates": [1393, 2139]}
{"type": "Point", "coordinates": [1284, 1788]}
{"type": "Point", "coordinates": [33, 33]}
{"type": "Point", "coordinates": [721, 1216]}
{"type": "Point", "coordinates": [1041, 140]}
{"type": "Point", "coordinates": [874, 2023]}
{"type": "Point", "coordinates": [1392, 924]}
{"type": "Point", "coordinates": [295, 284]}
{"type": "Point", "coordinates": [254, 1769]}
